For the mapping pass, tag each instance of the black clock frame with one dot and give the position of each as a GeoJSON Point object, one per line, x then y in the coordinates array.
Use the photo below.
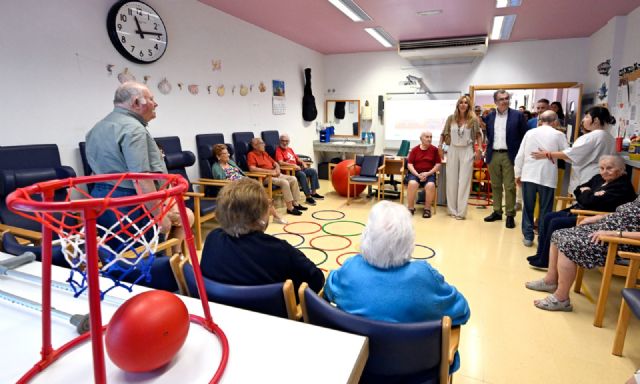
{"type": "Point", "coordinates": [113, 34]}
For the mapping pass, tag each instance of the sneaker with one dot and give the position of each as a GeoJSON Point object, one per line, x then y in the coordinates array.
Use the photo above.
{"type": "Point", "coordinates": [310, 201]}
{"type": "Point", "coordinates": [300, 207]}
{"type": "Point", "coordinates": [459, 217]}
{"type": "Point", "coordinates": [317, 196]}
{"type": "Point", "coordinates": [294, 212]}
{"type": "Point", "coordinates": [527, 242]}
{"type": "Point", "coordinates": [280, 220]}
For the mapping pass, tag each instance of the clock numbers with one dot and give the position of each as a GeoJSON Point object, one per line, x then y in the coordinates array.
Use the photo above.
{"type": "Point", "coordinates": [137, 31]}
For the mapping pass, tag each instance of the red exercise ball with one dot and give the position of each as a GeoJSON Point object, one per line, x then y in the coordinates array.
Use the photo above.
{"type": "Point", "coordinates": [339, 177]}
{"type": "Point", "coordinates": [147, 331]}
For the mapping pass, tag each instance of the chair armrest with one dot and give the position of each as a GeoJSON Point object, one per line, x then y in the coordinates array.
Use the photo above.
{"type": "Point", "coordinates": [212, 182]}
{"type": "Point", "coordinates": [21, 232]}
{"type": "Point", "coordinates": [629, 255]}
{"type": "Point", "coordinates": [194, 194]}
{"type": "Point", "coordinates": [454, 342]}
{"type": "Point", "coordinates": [586, 212]}
{"type": "Point", "coordinates": [565, 198]}
{"type": "Point", "coordinates": [381, 169]}
{"type": "Point", "coordinates": [620, 240]}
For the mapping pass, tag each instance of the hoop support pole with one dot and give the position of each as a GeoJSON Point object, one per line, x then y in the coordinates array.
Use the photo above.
{"type": "Point", "coordinates": [99, 368]}
{"type": "Point", "coordinates": [47, 237]}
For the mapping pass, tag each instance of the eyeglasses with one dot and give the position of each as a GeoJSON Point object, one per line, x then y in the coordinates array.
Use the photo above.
{"type": "Point", "coordinates": [503, 99]}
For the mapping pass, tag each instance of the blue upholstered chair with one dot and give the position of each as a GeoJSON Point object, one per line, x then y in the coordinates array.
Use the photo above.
{"type": "Point", "coordinates": [271, 142]}
{"type": "Point", "coordinates": [272, 299]}
{"type": "Point", "coordinates": [177, 162]}
{"type": "Point", "coordinates": [242, 146]}
{"type": "Point", "coordinates": [371, 173]}
{"type": "Point", "coordinates": [206, 159]}
{"type": "Point", "coordinates": [630, 301]}
{"type": "Point", "coordinates": [398, 353]}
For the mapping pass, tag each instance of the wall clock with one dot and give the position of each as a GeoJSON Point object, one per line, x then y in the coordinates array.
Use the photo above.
{"type": "Point", "coordinates": [137, 31]}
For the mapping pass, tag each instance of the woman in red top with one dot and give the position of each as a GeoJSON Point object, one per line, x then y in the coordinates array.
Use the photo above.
{"type": "Point", "coordinates": [423, 163]}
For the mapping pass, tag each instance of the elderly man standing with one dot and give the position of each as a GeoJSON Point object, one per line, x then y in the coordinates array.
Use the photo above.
{"type": "Point", "coordinates": [542, 105]}
{"type": "Point", "coordinates": [286, 156]}
{"type": "Point", "coordinates": [505, 129]}
{"type": "Point", "coordinates": [121, 143]}
{"type": "Point", "coordinates": [259, 160]}
{"type": "Point", "coordinates": [538, 177]}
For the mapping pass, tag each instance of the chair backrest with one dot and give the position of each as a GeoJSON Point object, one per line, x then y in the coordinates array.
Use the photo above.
{"type": "Point", "coordinates": [405, 145]}
{"type": "Point", "coordinates": [86, 168]}
{"type": "Point", "coordinates": [412, 351]}
{"type": "Point", "coordinates": [269, 299]}
{"type": "Point", "coordinates": [206, 158]}
{"type": "Point", "coordinates": [169, 144]}
{"type": "Point", "coordinates": [369, 164]}
{"type": "Point", "coordinates": [29, 156]}
{"type": "Point", "coordinates": [241, 144]}
{"type": "Point", "coordinates": [271, 141]}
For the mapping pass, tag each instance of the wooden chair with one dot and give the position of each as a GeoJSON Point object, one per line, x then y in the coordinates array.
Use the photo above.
{"type": "Point", "coordinates": [610, 269]}
{"type": "Point", "coordinates": [396, 167]}
{"type": "Point", "coordinates": [434, 203]}
{"type": "Point", "coordinates": [630, 301]}
{"type": "Point", "coordinates": [276, 299]}
{"type": "Point", "coordinates": [371, 173]}
{"type": "Point", "coordinates": [412, 352]}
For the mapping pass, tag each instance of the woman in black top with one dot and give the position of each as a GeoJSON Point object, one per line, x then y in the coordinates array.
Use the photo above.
{"type": "Point", "coordinates": [603, 192]}
{"type": "Point", "coordinates": [240, 253]}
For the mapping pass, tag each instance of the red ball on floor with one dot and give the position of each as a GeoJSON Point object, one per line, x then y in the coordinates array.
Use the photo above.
{"type": "Point", "coordinates": [340, 175]}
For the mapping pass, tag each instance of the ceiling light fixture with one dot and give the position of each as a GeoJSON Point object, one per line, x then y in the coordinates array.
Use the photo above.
{"type": "Point", "coordinates": [431, 12]}
{"type": "Point", "coordinates": [502, 27]}
{"type": "Point", "coordinates": [382, 36]}
{"type": "Point", "coordinates": [351, 9]}
{"type": "Point", "coordinates": [508, 3]}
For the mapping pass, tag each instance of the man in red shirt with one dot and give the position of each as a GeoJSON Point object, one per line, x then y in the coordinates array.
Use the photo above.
{"type": "Point", "coordinates": [286, 156]}
{"type": "Point", "coordinates": [259, 160]}
{"type": "Point", "coordinates": [422, 164]}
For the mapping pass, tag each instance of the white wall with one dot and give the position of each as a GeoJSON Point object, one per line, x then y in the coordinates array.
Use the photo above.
{"type": "Point", "coordinates": [55, 84]}
{"type": "Point", "coordinates": [631, 47]}
{"type": "Point", "coordinates": [364, 76]}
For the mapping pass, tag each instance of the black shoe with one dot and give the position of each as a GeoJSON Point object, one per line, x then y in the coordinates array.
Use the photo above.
{"type": "Point", "coordinates": [294, 212]}
{"type": "Point", "coordinates": [310, 201]}
{"type": "Point", "coordinates": [493, 217]}
{"type": "Point", "coordinates": [300, 208]}
{"type": "Point", "coordinates": [317, 196]}
{"type": "Point", "coordinates": [511, 223]}
{"type": "Point", "coordinates": [536, 263]}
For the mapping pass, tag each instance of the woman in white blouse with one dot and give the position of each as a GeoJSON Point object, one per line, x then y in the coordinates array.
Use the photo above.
{"type": "Point", "coordinates": [588, 148]}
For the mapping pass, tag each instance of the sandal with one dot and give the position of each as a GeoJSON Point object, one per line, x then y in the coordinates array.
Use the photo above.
{"type": "Point", "coordinates": [540, 285]}
{"type": "Point", "coordinates": [412, 211]}
{"type": "Point", "coordinates": [550, 303]}
{"type": "Point", "coordinates": [426, 214]}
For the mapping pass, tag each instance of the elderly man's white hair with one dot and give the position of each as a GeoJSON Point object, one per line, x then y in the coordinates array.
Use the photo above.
{"type": "Point", "coordinates": [284, 136]}
{"type": "Point", "coordinates": [127, 93]}
{"type": "Point", "coordinates": [388, 239]}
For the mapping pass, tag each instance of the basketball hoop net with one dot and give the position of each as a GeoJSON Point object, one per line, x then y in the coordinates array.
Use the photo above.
{"type": "Point", "coordinates": [114, 236]}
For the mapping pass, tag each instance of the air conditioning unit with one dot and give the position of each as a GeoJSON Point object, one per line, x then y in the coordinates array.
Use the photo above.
{"type": "Point", "coordinates": [455, 47]}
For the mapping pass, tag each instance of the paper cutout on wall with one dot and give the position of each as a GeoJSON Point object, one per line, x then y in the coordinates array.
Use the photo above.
{"type": "Point", "coordinates": [180, 86]}
{"type": "Point", "coordinates": [110, 69]}
{"type": "Point", "coordinates": [216, 65]}
{"type": "Point", "coordinates": [164, 86]}
{"type": "Point", "coordinates": [193, 89]}
{"type": "Point", "coordinates": [220, 90]}
{"type": "Point", "coordinates": [244, 91]}
{"type": "Point", "coordinates": [262, 88]}
{"type": "Point", "coordinates": [125, 76]}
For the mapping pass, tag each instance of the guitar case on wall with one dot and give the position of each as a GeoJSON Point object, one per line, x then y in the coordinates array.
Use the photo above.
{"type": "Point", "coordinates": [309, 111]}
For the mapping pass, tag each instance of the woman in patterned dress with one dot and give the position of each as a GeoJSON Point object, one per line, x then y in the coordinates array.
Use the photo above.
{"type": "Point", "coordinates": [582, 245]}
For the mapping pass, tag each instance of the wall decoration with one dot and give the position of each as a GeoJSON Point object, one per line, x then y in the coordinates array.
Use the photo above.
{"type": "Point", "coordinates": [604, 67]}
{"type": "Point", "coordinates": [110, 69]}
{"type": "Point", "coordinates": [216, 65]}
{"type": "Point", "coordinates": [146, 78]}
{"type": "Point", "coordinates": [233, 90]}
{"type": "Point", "coordinates": [208, 89]}
{"type": "Point", "coordinates": [220, 90]}
{"type": "Point", "coordinates": [164, 86]}
{"type": "Point", "coordinates": [278, 88]}
{"type": "Point", "coordinates": [262, 88]}
{"type": "Point", "coordinates": [125, 76]}
{"type": "Point", "coordinates": [279, 105]}
{"type": "Point", "coordinates": [193, 89]}
{"type": "Point", "coordinates": [180, 86]}
{"type": "Point", "coordinates": [602, 91]}
{"type": "Point", "coordinates": [244, 90]}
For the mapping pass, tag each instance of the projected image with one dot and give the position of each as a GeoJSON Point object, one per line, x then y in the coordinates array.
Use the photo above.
{"type": "Point", "coordinates": [406, 119]}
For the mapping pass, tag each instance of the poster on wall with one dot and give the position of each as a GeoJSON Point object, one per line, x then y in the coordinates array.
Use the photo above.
{"type": "Point", "coordinates": [279, 104]}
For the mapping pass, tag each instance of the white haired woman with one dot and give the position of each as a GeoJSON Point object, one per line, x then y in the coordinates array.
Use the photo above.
{"type": "Point", "coordinates": [383, 283]}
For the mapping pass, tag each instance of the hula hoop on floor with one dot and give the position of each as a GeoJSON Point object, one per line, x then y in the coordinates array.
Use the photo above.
{"type": "Point", "coordinates": [326, 256]}
{"type": "Point", "coordinates": [292, 234]}
{"type": "Point", "coordinates": [324, 227]}
{"type": "Point", "coordinates": [302, 233]}
{"type": "Point", "coordinates": [433, 253]}
{"type": "Point", "coordinates": [333, 249]}
{"type": "Point", "coordinates": [328, 210]}
{"type": "Point", "coordinates": [342, 254]}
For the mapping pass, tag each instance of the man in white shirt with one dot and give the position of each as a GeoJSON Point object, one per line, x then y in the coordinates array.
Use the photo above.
{"type": "Point", "coordinates": [538, 177]}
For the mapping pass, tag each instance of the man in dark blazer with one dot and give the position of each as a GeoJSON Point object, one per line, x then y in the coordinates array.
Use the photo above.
{"type": "Point", "coordinates": [505, 129]}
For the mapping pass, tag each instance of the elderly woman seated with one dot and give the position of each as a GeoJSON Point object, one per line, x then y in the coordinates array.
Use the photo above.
{"type": "Point", "coordinates": [383, 283]}
{"type": "Point", "coordinates": [226, 169]}
{"type": "Point", "coordinates": [604, 192]}
{"type": "Point", "coordinates": [582, 245]}
{"type": "Point", "coordinates": [240, 253]}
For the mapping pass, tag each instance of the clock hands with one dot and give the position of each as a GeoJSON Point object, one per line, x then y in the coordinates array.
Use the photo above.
{"type": "Point", "coordinates": [140, 32]}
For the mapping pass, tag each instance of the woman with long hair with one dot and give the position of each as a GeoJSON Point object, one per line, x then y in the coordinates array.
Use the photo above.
{"type": "Point", "coordinates": [461, 131]}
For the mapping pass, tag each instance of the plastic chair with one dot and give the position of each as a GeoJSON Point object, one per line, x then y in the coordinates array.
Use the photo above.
{"type": "Point", "coordinates": [630, 301]}
{"type": "Point", "coordinates": [398, 353]}
{"type": "Point", "coordinates": [271, 299]}
{"type": "Point", "coordinates": [371, 173]}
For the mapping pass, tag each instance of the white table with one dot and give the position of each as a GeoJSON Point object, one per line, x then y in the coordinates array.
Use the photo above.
{"type": "Point", "coordinates": [262, 349]}
{"type": "Point", "coordinates": [341, 147]}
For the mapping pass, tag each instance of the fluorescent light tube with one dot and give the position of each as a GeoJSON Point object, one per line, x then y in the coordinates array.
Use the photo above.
{"type": "Point", "coordinates": [351, 9]}
{"type": "Point", "coordinates": [430, 12]}
{"type": "Point", "coordinates": [502, 27]}
{"type": "Point", "coordinates": [508, 3]}
{"type": "Point", "coordinates": [381, 35]}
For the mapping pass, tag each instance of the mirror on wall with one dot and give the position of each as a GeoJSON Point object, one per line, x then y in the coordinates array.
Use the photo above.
{"type": "Point", "coordinates": [344, 115]}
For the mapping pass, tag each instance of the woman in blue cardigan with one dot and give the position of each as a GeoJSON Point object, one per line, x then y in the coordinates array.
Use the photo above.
{"type": "Point", "coordinates": [383, 283]}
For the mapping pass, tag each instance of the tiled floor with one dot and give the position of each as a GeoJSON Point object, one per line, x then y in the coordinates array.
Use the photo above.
{"type": "Point", "coordinates": [507, 339]}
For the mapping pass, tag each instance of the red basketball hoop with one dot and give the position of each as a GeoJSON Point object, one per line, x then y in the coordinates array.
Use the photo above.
{"type": "Point", "coordinates": [74, 219]}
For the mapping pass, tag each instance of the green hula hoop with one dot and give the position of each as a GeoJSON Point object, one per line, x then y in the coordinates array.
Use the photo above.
{"type": "Point", "coordinates": [324, 227]}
